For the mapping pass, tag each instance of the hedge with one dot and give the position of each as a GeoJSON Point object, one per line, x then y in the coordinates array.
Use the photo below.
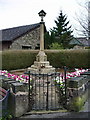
{"type": "Point", "coordinates": [70, 58]}
{"type": "Point", "coordinates": [12, 60]}
{"type": "Point", "coordinates": [20, 59]}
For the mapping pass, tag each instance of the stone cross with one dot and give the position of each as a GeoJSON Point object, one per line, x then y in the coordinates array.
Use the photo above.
{"type": "Point", "coordinates": [41, 65]}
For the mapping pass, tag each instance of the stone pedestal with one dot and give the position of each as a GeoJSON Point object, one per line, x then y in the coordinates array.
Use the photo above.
{"type": "Point", "coordinates": [41, 65]}
{"type": "Point", "coordinates": [18, 103]}
{"type": "Point", "coordinates": [77, 92]}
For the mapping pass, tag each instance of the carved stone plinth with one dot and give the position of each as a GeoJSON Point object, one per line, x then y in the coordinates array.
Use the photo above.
{"type": "Point", "coordinates": [41, 65]}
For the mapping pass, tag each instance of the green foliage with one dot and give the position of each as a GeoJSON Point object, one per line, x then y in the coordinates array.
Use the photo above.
{"type": "Point", "coordinates": [78, 102]}
{"type": "Point", "coordinates": [49, 39]}
{"type": "Point", "coordinates": [62, 33]}
{"type": "Point", "coordinates": [56, 46]}
{"type": "Point", "coordinates": [87, 47]}
{"type": "Point", "coordinates": [6, 116]}
{"type": "Point", "coordinates": [22, 59]}
{"type": "Point", "coordinates": [17, 59]}
{"type": "Point", "coordinates": [70, 58]}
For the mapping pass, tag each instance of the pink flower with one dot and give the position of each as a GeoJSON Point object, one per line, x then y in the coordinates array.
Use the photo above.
{"type": "Point", "coordinates": [25, 78]}
{"type": "Point", "coordinates": [67, 77]}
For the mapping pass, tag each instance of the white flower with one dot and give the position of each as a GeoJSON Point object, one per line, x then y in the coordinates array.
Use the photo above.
{"type": "Point", "coordinates": [16, 79]}
{"type": "Point", "coordinates": [76, 69]}
{"type": "Point", "coordinates": [57, 78]}
{"type": "Point", "coordinates": [6, 75]}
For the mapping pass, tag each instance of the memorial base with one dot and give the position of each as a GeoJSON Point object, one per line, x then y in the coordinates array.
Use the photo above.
{"type": "Point", "coordinates": [41, 65]}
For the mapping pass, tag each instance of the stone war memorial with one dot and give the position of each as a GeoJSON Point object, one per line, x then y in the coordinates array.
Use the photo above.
{"type": "Point", "coordinates": [43, 83]}
{"type": "Point", "coordinates": [45, 89]}
{"type": "Point", "coordinates": [41, 65]}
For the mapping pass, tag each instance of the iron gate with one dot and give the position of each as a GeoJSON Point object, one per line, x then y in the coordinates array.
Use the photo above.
{"type": "Point", "coordinates": [46, 90]}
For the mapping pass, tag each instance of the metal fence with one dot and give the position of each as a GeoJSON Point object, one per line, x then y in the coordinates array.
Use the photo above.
{"type": "Point", "coordinates": [46, 91]}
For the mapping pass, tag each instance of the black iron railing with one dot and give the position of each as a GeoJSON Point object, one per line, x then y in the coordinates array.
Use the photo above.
{"type": "Point", "coordinates": [47, 90]}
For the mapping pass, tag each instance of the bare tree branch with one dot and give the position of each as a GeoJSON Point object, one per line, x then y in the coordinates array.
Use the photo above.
{"type": "Point", "coordinates": [85, 20]}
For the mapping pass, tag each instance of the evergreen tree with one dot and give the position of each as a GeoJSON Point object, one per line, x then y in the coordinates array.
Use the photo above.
{"type": "Point", "coordinates": [62, 31]}
{"type": "Point", "coordinates": [46, 40]}
{"type": "Point", "coordinates": [49, 39]}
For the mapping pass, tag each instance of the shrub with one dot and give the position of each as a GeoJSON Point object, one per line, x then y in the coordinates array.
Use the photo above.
{"type": "Point", "coordinates": [17, 59]}
{"type": "Point", "coordinates": [87, 47]}
{"type": "Point", "coordinates": [70, 58]}
{"type": "Point", "coordinates": [56, 46]}
{"type": "Point", "coordinates": [58, 58]}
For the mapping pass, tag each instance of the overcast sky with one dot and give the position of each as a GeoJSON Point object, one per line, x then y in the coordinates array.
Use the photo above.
{"type": "Point", "coordinates": [15, 13]}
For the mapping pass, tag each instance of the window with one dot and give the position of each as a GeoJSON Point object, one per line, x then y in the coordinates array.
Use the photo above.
{"type": "Point", "coordinates": [37, 46]}
{"type": "Point", "coordinates": [26, 47]}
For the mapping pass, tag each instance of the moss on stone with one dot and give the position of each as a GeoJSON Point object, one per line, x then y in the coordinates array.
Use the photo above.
{"type": "Point", "coordinates": [77, 103]}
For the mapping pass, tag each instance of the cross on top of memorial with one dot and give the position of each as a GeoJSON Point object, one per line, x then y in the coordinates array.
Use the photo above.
{"type": "Point", "coordinates": [42, 14]}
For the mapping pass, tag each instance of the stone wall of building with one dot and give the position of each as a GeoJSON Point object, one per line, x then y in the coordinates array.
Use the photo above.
{"type": "Point", "coordinates": [30, 39]}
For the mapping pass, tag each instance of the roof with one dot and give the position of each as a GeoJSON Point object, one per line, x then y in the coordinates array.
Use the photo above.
{"type": "Point", "coordinates": [82, 41]}
{"type": "Point", "coordinates": [15, 32]}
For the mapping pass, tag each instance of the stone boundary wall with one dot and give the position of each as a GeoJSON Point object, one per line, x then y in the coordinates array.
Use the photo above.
{"type": "Point", "coordinates": [77, 92]}
{"type": "Point", "coordinates": [18, 99]}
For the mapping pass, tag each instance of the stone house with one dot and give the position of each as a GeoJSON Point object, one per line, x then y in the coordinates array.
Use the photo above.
{"type": "Point", "coordinates": [22, 37]}
{"type": "Point", "coordinates": [80, 43]}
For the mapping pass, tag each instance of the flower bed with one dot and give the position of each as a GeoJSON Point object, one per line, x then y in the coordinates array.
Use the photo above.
{"type": "Point", "coordinates": [21, 78]}
{"type": "Point", "coordinates": [24, 78]}
{"type": "Point", "coordinates": [69, 75]}
{"type": "Point", "coordinates": [60, 79]}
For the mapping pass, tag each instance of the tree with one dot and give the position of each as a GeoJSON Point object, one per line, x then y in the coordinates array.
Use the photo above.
{"type": "Point", "coordinates": [89, 19]}
{"type": "Point", "coordinates": [84, 19]}
{"type": "Point", "coordinates": [46, 40]}
{"type": "Point", "coordinates": [49, 39]}
{"type": "Point", "coordinates": [56, 46]}
{"type": "Point", "coordinates": [63, 33]}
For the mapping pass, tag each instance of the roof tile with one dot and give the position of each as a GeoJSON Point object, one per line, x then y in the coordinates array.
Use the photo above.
{"type": "Point", "coordinates": [15, 32]}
